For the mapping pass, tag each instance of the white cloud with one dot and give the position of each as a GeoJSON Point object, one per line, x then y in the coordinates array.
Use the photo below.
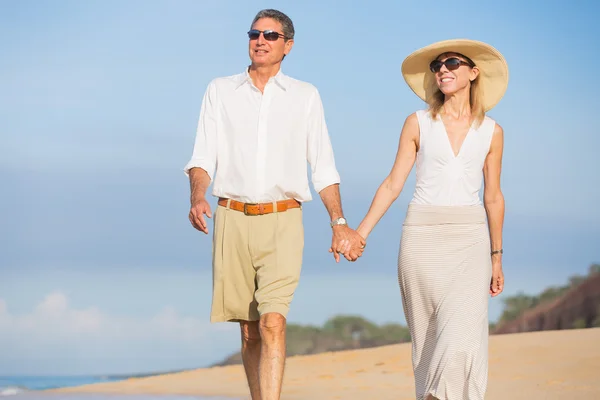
{"type": "Point", "coordinates": [53, 316]}
{"type": "Point", "coordinates": [54, 305]}
{"type": "Point", "coordinates": [55, 330]}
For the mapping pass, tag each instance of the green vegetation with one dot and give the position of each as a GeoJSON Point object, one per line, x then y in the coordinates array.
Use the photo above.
{"type": "Point", "coordinates": [345, 332]}
{"type": "Point", "coordinates": [579, 323]}
{"type": "Point", "coordinates": [596, 323]}
{"type": "Point", "coordinates": [342, 332]}
{"type": "Point", "coordinates": [514, 306]}
{"type": "Point", "coordinates": [350, 331]}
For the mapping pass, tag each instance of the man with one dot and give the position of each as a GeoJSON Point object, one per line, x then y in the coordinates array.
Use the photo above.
{"type": "Point", "coordinates": [257, 129]}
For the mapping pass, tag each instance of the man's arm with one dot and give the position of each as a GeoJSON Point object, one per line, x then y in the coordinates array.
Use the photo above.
{"type": "Point", "coordinates": [204, 154]}
{"type": "Point", "coordinates": [332, 200]}
{"type": "Point", "coordinates": [201, 166]}
{"type": "Point", "coordinates": [326, 179]}
{"type": "Point", "coordinates": [319, 150]}
{"type": "Point", "coordinates": [343, 237]}
{"type": "Point", "coordinates": [199, 182]}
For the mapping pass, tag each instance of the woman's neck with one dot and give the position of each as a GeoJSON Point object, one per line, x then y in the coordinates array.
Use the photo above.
{"type": "Point", "coordinates": [457, 106]}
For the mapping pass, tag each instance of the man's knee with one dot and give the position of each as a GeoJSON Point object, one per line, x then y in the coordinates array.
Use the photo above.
{"type": "Point", "coordinates": [250, 332]}
{"type": "Point", "coordinates": [272, 325]}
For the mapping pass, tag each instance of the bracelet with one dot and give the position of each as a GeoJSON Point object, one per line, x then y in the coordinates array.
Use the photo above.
{"type": "Point", "coordinates": [497, 252]}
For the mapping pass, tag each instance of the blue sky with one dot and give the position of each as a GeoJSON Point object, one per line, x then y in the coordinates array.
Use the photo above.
{"type": "Point", "coordinates": [100, 271]}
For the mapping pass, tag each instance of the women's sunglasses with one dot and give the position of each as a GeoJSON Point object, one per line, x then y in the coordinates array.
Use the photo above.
{"type": "Point", "coordinates": [269, 34]}
{"type": "Point", "coordinates": [451, 63]}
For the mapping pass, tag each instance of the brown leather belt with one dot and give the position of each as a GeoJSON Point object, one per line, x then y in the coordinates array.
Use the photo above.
{"type": "Point", "coordinates": [259, 208]}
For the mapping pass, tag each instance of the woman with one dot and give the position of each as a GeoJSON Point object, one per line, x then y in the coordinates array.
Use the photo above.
{"type": "Point", "coordinates": [450, 254]}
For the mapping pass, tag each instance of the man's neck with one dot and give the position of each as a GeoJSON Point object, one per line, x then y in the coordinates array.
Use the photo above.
{"type": "Point", "coordinates": [260, 75]}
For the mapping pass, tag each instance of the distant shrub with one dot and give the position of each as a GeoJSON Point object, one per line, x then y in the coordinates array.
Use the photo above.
{"type": "Point", "coordinates": [579, 323]}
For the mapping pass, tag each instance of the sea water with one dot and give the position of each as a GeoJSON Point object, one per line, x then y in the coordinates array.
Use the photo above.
{"type": "Point", "coordinates": [29, 388]}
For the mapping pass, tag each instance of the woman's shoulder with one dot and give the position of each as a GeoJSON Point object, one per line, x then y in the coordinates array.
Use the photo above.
{"type": "Point", "coordinates": [422, 112]}
{"type": "Point", "coordinates": [420, 116]}
{"type": "Point", "coordinates": [494, 123]}
{"type": "Point", "coordinates": [490, 128]}
{"type": "Point", "coordinates": [490, 124]}
{"type": "Point", "coordinates": [417, 119]}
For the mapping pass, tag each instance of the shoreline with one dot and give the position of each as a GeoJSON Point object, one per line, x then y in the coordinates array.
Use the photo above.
{"type": "Point", "coordinates": [547, 364]}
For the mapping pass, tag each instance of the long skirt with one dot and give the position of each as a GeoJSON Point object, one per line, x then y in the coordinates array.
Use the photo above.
{"type": "Point", "coordinates": [444, 272]}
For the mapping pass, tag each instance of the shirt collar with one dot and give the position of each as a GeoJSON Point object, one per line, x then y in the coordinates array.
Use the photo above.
{"type": "Point", "coordinates": [280, 79]}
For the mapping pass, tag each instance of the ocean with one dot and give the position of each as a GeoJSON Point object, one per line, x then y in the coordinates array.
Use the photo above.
{"type": "Point", "coordinates": [28, 388]}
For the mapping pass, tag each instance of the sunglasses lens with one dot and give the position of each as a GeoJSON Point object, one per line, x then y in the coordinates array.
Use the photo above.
{"type": "Point", "coordinates": [452, 63]}
{"type": "Point", "coordinates": [271, 36]}
{"type": "Point", "coordinates": [435, 66]}
{"type": "Point", "coordinates": [268, 35]}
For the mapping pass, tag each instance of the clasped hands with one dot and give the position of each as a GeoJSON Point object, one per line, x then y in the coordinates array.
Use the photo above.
{"type": "Point", "coordinates": [347, 242]}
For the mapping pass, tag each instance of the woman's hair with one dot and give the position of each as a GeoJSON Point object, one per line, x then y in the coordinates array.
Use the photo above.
{"type": "Point", "coordinates": [436, 101]}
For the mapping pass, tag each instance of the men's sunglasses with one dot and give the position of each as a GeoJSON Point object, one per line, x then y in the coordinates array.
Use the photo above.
{"type": "Point", "coordinates": [451, 63]}
{"type": "Point", "coordinates": [269, 34]}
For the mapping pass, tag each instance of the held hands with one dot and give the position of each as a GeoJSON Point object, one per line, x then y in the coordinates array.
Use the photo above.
{"type": "Point", "coordinates": [347, 242]}
{"type": "Point", "coordinates": [196, 216]}
{"type": "Point", "coordinates": [497, 282]}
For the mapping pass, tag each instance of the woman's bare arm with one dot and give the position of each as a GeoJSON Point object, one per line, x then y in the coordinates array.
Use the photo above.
{"type": "Point", "coordinates": [392, 185]}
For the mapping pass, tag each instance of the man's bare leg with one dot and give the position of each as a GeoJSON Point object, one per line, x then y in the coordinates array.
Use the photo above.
{"type": "Point", "coordinates": [251, 355]}
{"type": "Point", "coordinates": [272, 355]}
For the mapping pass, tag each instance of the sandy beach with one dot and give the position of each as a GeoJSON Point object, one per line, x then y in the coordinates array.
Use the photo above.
{"type": "Point", "coordinates": [540, 365]}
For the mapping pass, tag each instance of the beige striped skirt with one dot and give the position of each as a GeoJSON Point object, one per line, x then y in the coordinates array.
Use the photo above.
{"type": "Point", "coordinates": [444, 272]}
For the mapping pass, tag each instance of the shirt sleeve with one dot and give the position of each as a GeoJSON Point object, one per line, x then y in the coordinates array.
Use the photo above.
{"type": "Point", "coordinates": [204, 154]}
{"type": "Point", "coordinates": [319, 150]}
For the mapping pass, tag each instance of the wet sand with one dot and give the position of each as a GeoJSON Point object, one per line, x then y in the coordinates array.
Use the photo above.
{"type": "Point", "coordinates": [540, 365]}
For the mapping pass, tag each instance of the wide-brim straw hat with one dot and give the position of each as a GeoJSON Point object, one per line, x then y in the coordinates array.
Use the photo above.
{"type": "Point", "coordinates": [493, 69]}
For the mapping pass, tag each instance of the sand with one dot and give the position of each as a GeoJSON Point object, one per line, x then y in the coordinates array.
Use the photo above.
{"type": "Point", "coordinates": [539, 365]}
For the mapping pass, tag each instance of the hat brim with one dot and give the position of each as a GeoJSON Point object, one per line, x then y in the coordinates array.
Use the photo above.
{"type": "Point", "coordinates": [493, 69]}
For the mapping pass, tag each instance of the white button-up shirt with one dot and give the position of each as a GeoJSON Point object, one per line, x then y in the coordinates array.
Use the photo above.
{"type": "Point", "coordinates": [259, 143]}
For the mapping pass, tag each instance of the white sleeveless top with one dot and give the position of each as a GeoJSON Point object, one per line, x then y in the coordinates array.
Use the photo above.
{"type": "Point", "coordinates": [442, 178]}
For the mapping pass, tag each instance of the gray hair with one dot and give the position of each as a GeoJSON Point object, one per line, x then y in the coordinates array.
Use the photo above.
{"type": "Point", "coordinates": [284, 20]}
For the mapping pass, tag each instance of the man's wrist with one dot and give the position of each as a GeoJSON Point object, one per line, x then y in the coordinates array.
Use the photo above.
{"type": "Point", "coordinates": [340, 221]}
{"type": "Point", "coordinates": [197, 199]}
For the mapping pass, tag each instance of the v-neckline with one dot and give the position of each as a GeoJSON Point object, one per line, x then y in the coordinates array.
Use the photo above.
{"type": "Point", "coordinates": [460, 148]}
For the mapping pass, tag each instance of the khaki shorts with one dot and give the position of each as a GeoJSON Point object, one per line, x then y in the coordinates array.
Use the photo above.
{"type": "Point", "coordinates": [256, 263]}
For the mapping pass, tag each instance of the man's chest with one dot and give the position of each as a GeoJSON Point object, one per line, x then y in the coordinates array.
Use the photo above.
{"type": "Point", "coordinates": [252, 115]}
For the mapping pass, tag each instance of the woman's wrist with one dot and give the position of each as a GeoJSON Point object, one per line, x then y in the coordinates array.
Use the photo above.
{"type": "Point", "coordinates": [497, 258]}
{"type": "Point", "coordinates": [362, 232]}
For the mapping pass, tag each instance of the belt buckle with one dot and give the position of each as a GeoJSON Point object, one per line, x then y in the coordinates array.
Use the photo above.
{"type": "Point", "coordinates": [246, 208]}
